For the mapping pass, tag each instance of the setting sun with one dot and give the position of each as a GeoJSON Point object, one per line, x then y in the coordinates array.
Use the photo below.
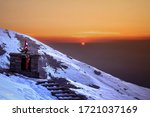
{"type": "Point", "coordinates": [82, 43]}
{"type": "Point", "coordinates": [67, 19]}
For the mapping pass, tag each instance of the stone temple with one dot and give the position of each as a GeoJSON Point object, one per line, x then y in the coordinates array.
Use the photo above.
{"type": "Point", "coordinates": [26, 64]}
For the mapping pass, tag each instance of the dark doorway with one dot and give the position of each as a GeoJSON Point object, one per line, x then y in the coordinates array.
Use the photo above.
{"type": "Point", "coordinates": [24, 65]}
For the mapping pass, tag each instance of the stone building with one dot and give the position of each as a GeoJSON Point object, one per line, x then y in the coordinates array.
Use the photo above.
{"type": "Point", "coordinates": [19, 64]}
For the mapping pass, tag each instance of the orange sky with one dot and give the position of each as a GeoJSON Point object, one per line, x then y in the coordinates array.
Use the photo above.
{"type": "Point", "coordinates": [77, 19]}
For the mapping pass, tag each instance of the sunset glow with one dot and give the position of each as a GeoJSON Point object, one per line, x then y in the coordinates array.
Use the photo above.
{"type": "Point", "coordinates": [77, 20]}
{"type": "Point", "coordinates": [83, 43]}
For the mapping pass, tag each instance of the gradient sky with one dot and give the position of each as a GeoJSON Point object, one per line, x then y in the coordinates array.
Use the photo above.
{"type": "Point", "coordinates": [77, 18]}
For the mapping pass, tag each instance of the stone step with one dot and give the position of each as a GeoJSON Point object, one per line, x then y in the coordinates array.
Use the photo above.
{"type": "Point", "coordinates": [56, 88]}
{"type": "Point", "coordinates": [65, 95]}
{"type": "Point", "coordinates": [50, 84]}
{"type": "Point", "coordinates": [40, 82]}
{"type": "Point", "coordinates": [61, 92]}
{"type": "Point", "coordinates": [54, 94]}
{"type": "Point", "coordinates": [69, 98]}
{"type": "Point", "coordinates": [51, 81]}
{"type": "Point", "coordinates": [46, 81]}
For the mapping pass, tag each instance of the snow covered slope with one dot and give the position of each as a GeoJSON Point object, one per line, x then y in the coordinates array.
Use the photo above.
{"type": "Point", "coordinates": [91, 82]}
{"type": "Point", "coordinates": [16, 87]}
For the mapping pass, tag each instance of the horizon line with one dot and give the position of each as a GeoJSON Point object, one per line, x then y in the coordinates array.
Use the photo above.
{"type": "Point", "coordinates": [90, 39]}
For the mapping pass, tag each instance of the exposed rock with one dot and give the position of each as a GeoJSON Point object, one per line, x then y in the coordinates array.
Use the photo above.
{"type": "Point", "coordinates": [2, 51]}
{"type": "Point", "coordinates": [97, 72]}
{"type": "Point", "coordinates": [7, 32]}
{"type": "Point", "coordinates": [94, 86]}
{"type": "Point", "coordinates": [55, 64]}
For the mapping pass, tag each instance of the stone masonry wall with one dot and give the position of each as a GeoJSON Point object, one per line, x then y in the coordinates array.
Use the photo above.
{"type": "Point", "coordinates": [15, 64]}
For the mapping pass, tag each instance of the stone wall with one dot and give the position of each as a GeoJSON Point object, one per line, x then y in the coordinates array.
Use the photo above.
{"type": "Point", "coordinates": [15, 64]}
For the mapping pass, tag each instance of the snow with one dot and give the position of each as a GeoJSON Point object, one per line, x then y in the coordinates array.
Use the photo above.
{"type": "Point", "coordinates": [78, 73]}
{"type": "Point", "coordinates": [10, 45]}
{"type": "Point", "coordinates": [16, 88]}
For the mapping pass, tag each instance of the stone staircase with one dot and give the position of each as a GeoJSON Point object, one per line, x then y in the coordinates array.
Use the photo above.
{"type": "Point", "coordinates": [60, 88]}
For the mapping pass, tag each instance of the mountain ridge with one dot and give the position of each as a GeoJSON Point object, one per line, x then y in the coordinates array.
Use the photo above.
{"type": "Point", "coordinates": [91, 82]}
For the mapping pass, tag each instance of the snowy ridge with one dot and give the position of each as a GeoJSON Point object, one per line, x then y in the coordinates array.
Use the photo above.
{"type": "Point", "coordinates": [91, 82]}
